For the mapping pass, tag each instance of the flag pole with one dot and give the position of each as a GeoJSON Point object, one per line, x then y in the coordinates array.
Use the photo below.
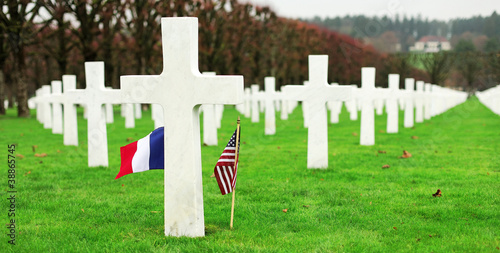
{"type": "Point", "coordinates": [235, 164]}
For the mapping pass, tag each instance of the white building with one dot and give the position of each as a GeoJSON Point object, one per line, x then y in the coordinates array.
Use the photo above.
{"type": "Point", "coordinates": [431, 44]}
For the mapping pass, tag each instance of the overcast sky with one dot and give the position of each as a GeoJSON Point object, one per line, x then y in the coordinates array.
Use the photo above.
{"type": "Point", "coordinates": [432, 9]}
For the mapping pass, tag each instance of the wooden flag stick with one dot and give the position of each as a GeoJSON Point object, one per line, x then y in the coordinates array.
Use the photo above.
{"type": "Point", "coordinates": [235, 164]}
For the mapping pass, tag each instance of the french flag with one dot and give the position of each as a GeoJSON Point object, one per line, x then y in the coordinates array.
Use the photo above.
{"type": "Point", "coordinates": [142, 155]}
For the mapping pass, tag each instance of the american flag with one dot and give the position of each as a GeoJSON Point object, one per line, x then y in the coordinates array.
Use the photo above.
{"type": "Point", "coordinates": [225, 171]}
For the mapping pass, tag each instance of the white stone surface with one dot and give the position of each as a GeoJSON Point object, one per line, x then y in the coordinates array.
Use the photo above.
{"type": "Point", "coordinates": [219, 112]}
{"type": "Point", "coordinates": [419, 102]}
{"type": "Point", "coordinates": [409, 102]}
{"type": "Point", "coordinates": [93, 97]}
{"type": "Point", "coordinates": [47, 107]}
{"type": "Point", "coordinates": [137, 111]}
{"type": "Point", "coordinates": [269, 98]}
{"type": "Point", "coordinates": [366, 96]}
{"type": "Point", "coordinates": [181, 89]}
{"type": "Point", "coordinates": [335, 108]}
{"type": "Point", "coordinates": [316, 94]}
{"type": "Point", "coordinates": [255, 103]}
{"type": "Point", "coordinates": [352, 103]}
{"type": "Point", "coordinates": [70, 117]}
{"type": "Point", "coordinates": [391, 106]}
{"type": "Point", "coordinates": [209, 121]}
{"type": "Point", "coordinates": [110, 117]}
{"type": "Point", "coordinates": [129, 115]}
{"type": "Point", "coordinates": [248, 103]}
{"type": "Point", "coordinates": [157, 115]}
{"type": "Point", "coordinates": [427, 101]}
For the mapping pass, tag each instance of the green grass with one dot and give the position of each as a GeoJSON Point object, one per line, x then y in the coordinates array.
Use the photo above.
{"type": "Point", "coordinates": [354, 205]}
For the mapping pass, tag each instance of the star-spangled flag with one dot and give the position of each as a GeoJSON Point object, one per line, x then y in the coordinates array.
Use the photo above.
{"type": "Point", "coordinates": [225, 170]}
{"type": "Point", "coordinates": [144, 154]}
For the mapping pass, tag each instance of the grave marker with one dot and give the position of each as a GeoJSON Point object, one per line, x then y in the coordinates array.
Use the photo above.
{"type": "Point", "coordinates": [409, 102]}
{"type": "Point", "coordinates": [419, 102]}
{"type": "Point", "coordinates": [316, 94]}
{"type": "Point", "coordinates": [269, 97]}
{"type": "Point", "coordinates": [70, 117]}
{"type": "Point", "coordinates": [180, 89]}
{"type": "Point", "coordinates": [392, 104]}
{"type": "Point", "coordinates": [366, 96]}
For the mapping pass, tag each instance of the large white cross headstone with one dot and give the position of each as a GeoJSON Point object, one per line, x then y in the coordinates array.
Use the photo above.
{"type": "Point", "coordinates": [180, 89]}
{"type": "Point", "coordinates": [255, 103]}
{"type": "Point", "coordinates": [47, 107]}
{"type": "Point", "coordinates": [93, 97]}
{"type": "Point", "coordinates": [366, 96]}
{"type": "Point", "coordinates": [391, 106]}
{"type": "Point", "coordinates": [428, 101]}
{"type": "Point", "coordinates": [409, 102]}
{"type": "Point", "coordinates": [70, 117]}
{"type": "Point", "coordinates": [316, 94]}
{"type": "Point", "coordinates": [269, 97]}
{"type": "Point", "coordinates": [419, 102]}
{"type": "Point", "coordinates": [209, 121]}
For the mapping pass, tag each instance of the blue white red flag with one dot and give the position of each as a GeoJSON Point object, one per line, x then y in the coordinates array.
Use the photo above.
{"type": "Point", "coordinates": [144, 154]}
{"type": "Point", "coordinates": [226, 168]}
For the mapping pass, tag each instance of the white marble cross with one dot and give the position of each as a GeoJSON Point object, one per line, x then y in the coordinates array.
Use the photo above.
{"type": "Point", "coordinates": [366, 96]}
{"type": "Point", "coordinates": [93, 97]}
{"type": "Point", "coordinates": [180, 89]}
{"type": "Point", "coordinates": [248, 103]}
{"type": "Point", "coordinates": [335, 108]}
{"type": "Point", "coordinates": [419, 102]}
{"type": "Point", "coordinates": [129, 115]}
{"type": "Point", "coordinates": [409, 102]}
{"type": "Point", "coordinates": [256, 97]}
{"type": "Point", "coordinates": [57, 112]}
{"type": "Point", "coordinates": [209, 121]}
{"type": "Point", "coordinates": [137, 111]}
{"type": "Point", "coordinates": [352, 104]}
{"type": "Point", "coordinates": [110, 117]}
{"type": "Point", "coordinates": [391, 106]}
{"type": "Point", "coordinates": [157, 115]}
{"type": "Point", "coordinates": [70, 117]}
{"type": "Point", "coordinates": [316, 94]}
{"type": "Point", "coordinates": [47, 107]}
{"type": "Point", "coordinates": [428, 101]}
{"type": "Point", "coordinates": [269, 97]}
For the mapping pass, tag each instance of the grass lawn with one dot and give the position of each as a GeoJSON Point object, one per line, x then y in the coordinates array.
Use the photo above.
{"type": "Point", "coordinates": [355, 205]}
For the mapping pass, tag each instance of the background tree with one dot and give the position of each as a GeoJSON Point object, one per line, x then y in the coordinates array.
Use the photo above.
{"type": "Point", "coordinates": [20, 30]}
{"type": "Point", "coordinates": [437, 66]}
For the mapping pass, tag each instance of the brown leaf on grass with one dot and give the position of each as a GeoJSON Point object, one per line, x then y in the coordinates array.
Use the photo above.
{"type": "Point", "coordinates": [59, 151]}
{"type": "Point", "coordinates": [354, 134]}
{"type": "Point", "coordinates": [386, 166]}
{"type": "Point", "coordinates": [40, 162]}
{"type": "Point", "coordinates": [29, 172]}
{"type": "Point", "coordinates": [19, 156]}
{"type": "Point", "coordinates": [155, 211]}
{"type": "Point", "coordinates": [34, 147]}
{"type": "Point", "coordinates": [414, 137]}
{"type": "Point", "coordinates": [22, 134]}
{"type": "Point", "coordinates": [395, 228]}
{"type": "Point", "coordinates": [437, 194]}
{"type": "Point", "coordinates": [129, 139]}
{"type": "Point", "coordinates": [381, 131]}
{"type": "Point", "coordinates": [41, 155]}
{"type": "Point", "coordinates": [406, 154]}
{"type": "Point", "coordinates": [213, 175]}
{"type": "Point", "coordinates": [83, 210]}
{"type": "Point", "coordinates": [306, 206]}
{"type": "Point", "coordinates": [279, 147]}
{"type": "Point", "coordinates": [382, 152]}
{"type": "Point", "coordinates": [321, 179]}
{"type": "Point", "coordinates": [285, 210]}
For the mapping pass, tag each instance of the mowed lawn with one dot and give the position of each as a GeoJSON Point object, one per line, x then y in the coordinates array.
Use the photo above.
{"type": "Point", "coordinates": [281, 206]}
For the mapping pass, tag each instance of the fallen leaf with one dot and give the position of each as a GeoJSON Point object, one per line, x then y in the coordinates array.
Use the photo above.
{"type": "Point", "coordinates": [22, 134]}
{"type": "Point", "coordinates": [244, 142]}
{"type": "Point", "coordinates": [213, 175]}
{"type": "Point", "coordinates": [83, 210]}
{"type": "Point", "coordinates": [382, 152]}
{"type": "Point", "coordinates": [155, 211]}
{"type": "Point", "coordinates": [406, 154]}
{"type": "Point", "coordinates": [488, 173]}
{"type": "Point", "coordinates": [129, 139]}
{"type": "Point", "coordinates": [41, 155]}
{"type": "Point", "coordinates": [40, 162]}
{"type": "Point", "coordinates": [285, 210]}
{"type": "Point", "coordinates": [414, 137]}
{"type": "Point", "coordinates": [334, 154]}
{"type": "Point", "coordinates": [321, 179]}
{"type": "Point", "coordinates": [279, 147]}
{"type": "Point", "coordinates": [430, 235]}
{"type": "Point", "coordinates": [58, 151]}
{"type": "Point", "coordinates": [354, 134]}
{"type": "Point", "coordinates": [386, 166]}
{"type": "Point", "coordinates": [449, 151]}
{"type": "Point", "coordinates": [34, 147]}
{"type": "Point", "coordinates": [418, 239]}
{"type": "Point", "coordinates": [306, 206]}
{"type": "Point", "coordinates": [437, 194]}
{"type": "Point", "coordinates": [122, 185]}
{"type": "Point", "coordinates": [395, 228]}
{"type": "Point", "coordinates": [21, 157]}
{"type": "Point", "coordinates": [381, 131]}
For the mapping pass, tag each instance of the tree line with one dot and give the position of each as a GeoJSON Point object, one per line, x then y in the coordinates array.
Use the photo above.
{"type": "Point", "coordinates": [42, 40]}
